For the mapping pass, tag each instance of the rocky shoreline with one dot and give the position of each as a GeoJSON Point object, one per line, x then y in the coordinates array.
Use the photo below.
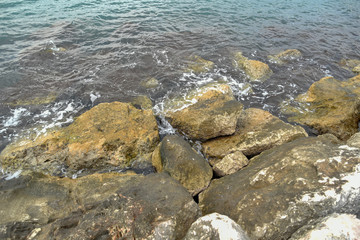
{"type": "Point", "coordinates": [228, 173]}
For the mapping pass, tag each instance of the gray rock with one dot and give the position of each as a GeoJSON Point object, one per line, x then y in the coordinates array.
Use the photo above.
{"type": "Point", "coordinates": [99, 206]}
{"type": "Point", "coordinates": [354, 140]}
{"type": "Point", "coordinates": [216, 227]}
{"type": "Point", "coordinates": [230, 164]}
{"type": "Point", "coordinates": [334, 227]}
{"type": "Point", "coordinates": [285, 187]}
{"type": "Point", "coordinates": [184, 164]}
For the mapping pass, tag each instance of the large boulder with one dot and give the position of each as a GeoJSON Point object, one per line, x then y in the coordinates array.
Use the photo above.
{"type": "Point", "coordinates": [216, 227]}
{"type": "Point", "coordinates": [100, 206]}
{"type": "Point", "coordinates": [212, 111]}
{"type": "Point", "coordinates": [110, 134]}
{"type": "Point", "coordinates": [285, 56]}
{"type": "Point", "coordinates": [329, 106]}
{"type": "Point", "coordinates": [335, 226]}
{"type": "Point", "coordinates": [257, 131]}
{"type": "Point", "coordinates": [184, 164]}
{"type": "Point", "coordinates": [285, 187]}
{"type": "Point", "coordinates": [255, 70]}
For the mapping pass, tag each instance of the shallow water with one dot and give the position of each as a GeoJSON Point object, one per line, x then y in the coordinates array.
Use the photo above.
{"type": "Point", "coordinates": [71, 55]}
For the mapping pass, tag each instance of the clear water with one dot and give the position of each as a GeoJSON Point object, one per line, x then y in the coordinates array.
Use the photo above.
{"type": "Point", "coordinates": [88, 52]}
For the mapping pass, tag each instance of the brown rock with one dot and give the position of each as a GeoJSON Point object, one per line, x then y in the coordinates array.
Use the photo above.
{"type": "Point", "coordinates": [329, 106]}
{"type": "Point", "coordinates": [349, 64]}
{"type": "Point", "coordinates": [257, 131]}
{"type": "Point", "coordinates": [256, 70]}
{"type": "Point", "coordinates": [285, 56]}
{"type": "Point", "coordinates": [230, 164]}
{"type": "Point", "coordinates": [110, 134]}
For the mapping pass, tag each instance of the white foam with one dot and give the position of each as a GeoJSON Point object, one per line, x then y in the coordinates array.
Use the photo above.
{"type": "Point", "coordinates": [15, 119]}
{"type": "Point", "coordinates": [93, 97]}
{"type": "Point", "coordinates": [13, 175]}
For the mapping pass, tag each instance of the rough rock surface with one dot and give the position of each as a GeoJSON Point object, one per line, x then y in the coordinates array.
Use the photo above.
{"type": "Point", "coordinates": [215, 227]}
{"type": "Point", "coordinates": [110, 134]}
{"type": "Point", "coordinates": [334, 227]}
{"type": "Point", "coordinates": [285, 187]}
{"type": "Point", "coordinates": [257, 131]}
{"type": "Point", "coordinates": [142, 102]}
{"type": "Point", "coordinates": [329, 106]}
{"type": "Point", "coordinates": [354, 141]}
{"type": "Point", "coordinates": [100, 206]}
{"type": "Point", "coordinates": [199, 65]}
{"type": "Point", "coordinates": [230, 164]}
{"type": "Point", "coordinates": [256, 70]}
{"type": "Point", "coordinates": [211, 112]}
{"type": "Point", "coordinates": [350, 64]}
{"type": "Point", "coordinates": [184, 164]}
{"type": "Point", "coordinates": [285, 56]}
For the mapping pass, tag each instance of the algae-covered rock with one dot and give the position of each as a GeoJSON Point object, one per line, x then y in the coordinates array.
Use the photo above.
{"type": "Point", "coordinates": [215, 227]}
{"type": "Point", "coordinates": [230, 164]}
{"type": "Point", "coordinates": [257, 131]}
{"type": "Point", "coordinates": [110, 134]}
{"type": "Point", "coordinates": [212, 112]}
{"type": "Point", "coordinates": [35, 100]}
{"type": "Point", "coordinates": [350, 64]}
{"type": "Point", "coordinates": [184, 164]}
{"type": "Point", "coordinates": [150, 83]}
{"type": "Point", "coordinates": [329, 106]}
{"type": "Point", "coordinates": [199, 65]}
{"type": "Point", "coordinates": [256, 70]}
{"type": "Point", "coordinates": [285, 56]}
{"type": "Point", "coordinates": [142, 102]}
{"type": "Point", "coordinates": [285, 187]}
{"type": "Point", "coordinates": [336, 227]}
{"type": "Point", "coordinates": [100, 206]}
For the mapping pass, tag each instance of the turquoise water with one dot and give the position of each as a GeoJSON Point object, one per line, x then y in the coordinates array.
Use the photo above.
{"type": "Point", "coordinates": [87, 52]}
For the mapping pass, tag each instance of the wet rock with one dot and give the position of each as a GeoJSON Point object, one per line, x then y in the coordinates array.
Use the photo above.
{"type": "Point", "coordinates": [354, 141]}
{"type": "Point", "coordinates": [216, 227]}
{"type": "Point", "coordinates": [285, 56]}
{"type": "Point", "coordinates": [350, 64]}
{"type": "Point", "coordinates": [150, 83]}
{"type": "Point", "coordinates": [285, 187]}
{"type": "Point", "coordinates": [335, 226]}
{"type": "Point", "coordinates": [211, 112]}
{"type": "Point", "coordinates": [184, 164]}
{"type": "Point", "coordinates": [230, 164]}
{"type": "Point", "coordinates": [256, 70]}
{"type": "Point", "coordinates": [100, 206]}
{"type": "Point", "coordinates": [110, 134]}
{"type": "Point", "coordinates": [142, 102]}
{"type": "Point", "coordinates": [199, 65]}
{"type": "Point", "coordinates": [356, 69]}
{"type": "Point", "coordinates": [329, 106]}
{"type": "Point", "coordinates": [257, 131]}
{"type": "Point", "coordinates": [35, 100]}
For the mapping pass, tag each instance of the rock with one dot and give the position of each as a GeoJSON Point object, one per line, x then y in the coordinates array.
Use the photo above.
{"type": "Point", "coordinates": [329, 106]}
{"type": "Point", "coordinates": [184, 164]}
{"type": "Point", "coordinates": [257, 131]}
{"type": "Point", "coordinates": [285, 187]}
{"type": "Point", "coordinates": [110, 134]}
{"type": "Point", "coordinates": [285, 56]}
{"type": "Point", "coordinates": [142, 102]}
{"type": "Point", "coordinates": [35, 100]}
{"type": "Point", "coordinates": [199, 65]}
{"type": "Point", "coordinates": [256, 70]}
{"type": "Point", "coordinates": [212, 112]}
{"type": "Point", "coordinates": [150, 83]}
{"type": "Point", "coordinates": [215, 227]}
{"type": "Point", "coordinates": [349, 64]}
{"type": "Point", "coordinates": [99, 206]}
{"type": "Point", "coordinates": [156, 159]}
{"type": "Point", "coordinates": [335, 226]}
{"type": "Point", "coordinates": [230, 164]}
{"type": "Point", "coordinates": [356, 69]}
{"type": "Point", "coordinates": [354, 141]}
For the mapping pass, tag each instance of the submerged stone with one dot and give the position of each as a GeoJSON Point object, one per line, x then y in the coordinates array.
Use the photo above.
{"type": "Point", "coordinates": [256, 70]}
{"type": "Point", "coordinates": [350, 64]}
{"type": "Point", "coordinates": [212, 112]}
{"type": "Point", "coordinates": [285, 56]}
{"type": "Point", "coordinates": [184, 164]}
{"type": "Point", "coordinates": [142, 102]}
{"type": "Point", "coordinates": [110, 134]}
{"type": "Point", "coordinates": [99, 206]}
{"type": "Point", "coordinates": [285, 187]}
{"type": "Point", "coordinates": [199, 65]}
{"type": "Point", "coordinates": [257, 131]}
{"type": "Point", "coordinates": [150, 83]}
{"type": "Point", "coordinates": [329, 106]}
{"type": "Point", "coordinates": [35, 100]}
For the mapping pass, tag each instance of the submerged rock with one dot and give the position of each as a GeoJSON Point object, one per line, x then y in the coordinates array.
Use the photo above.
{"type": "Point", "coordinates": [256, 70]}
{"type": "Point", "coordinates": [257, 131]}
{"type": "Point", "coordinates": [184, 164]}
{"type": "Point", "coordinates": [335, 226]}
{"type": "Point", "coordinates": [350, 64]}
{"type": "Point", "coordinates": [106, 206]}
{"type": "Point", "coordinates": [212, 112]}
{"type": "Point", "coordinates": [142, 102]}
{"type": "Point", "coordinates": [329, 106]}
{"type": "Point", "coordinates": [215, 227]}
{"type": "Point", "coordinates": [285, 187]}
{"type": "Point", "coordinates": [35, 100]}
{"type": "Point", "coordinates": [199, 65]}
{"type": "Point", "coordinates": [285, 56]}
{"type": "Point", "coordinates": [150, 83]}
{"type": "Point", "coordinates": [110, 134]}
